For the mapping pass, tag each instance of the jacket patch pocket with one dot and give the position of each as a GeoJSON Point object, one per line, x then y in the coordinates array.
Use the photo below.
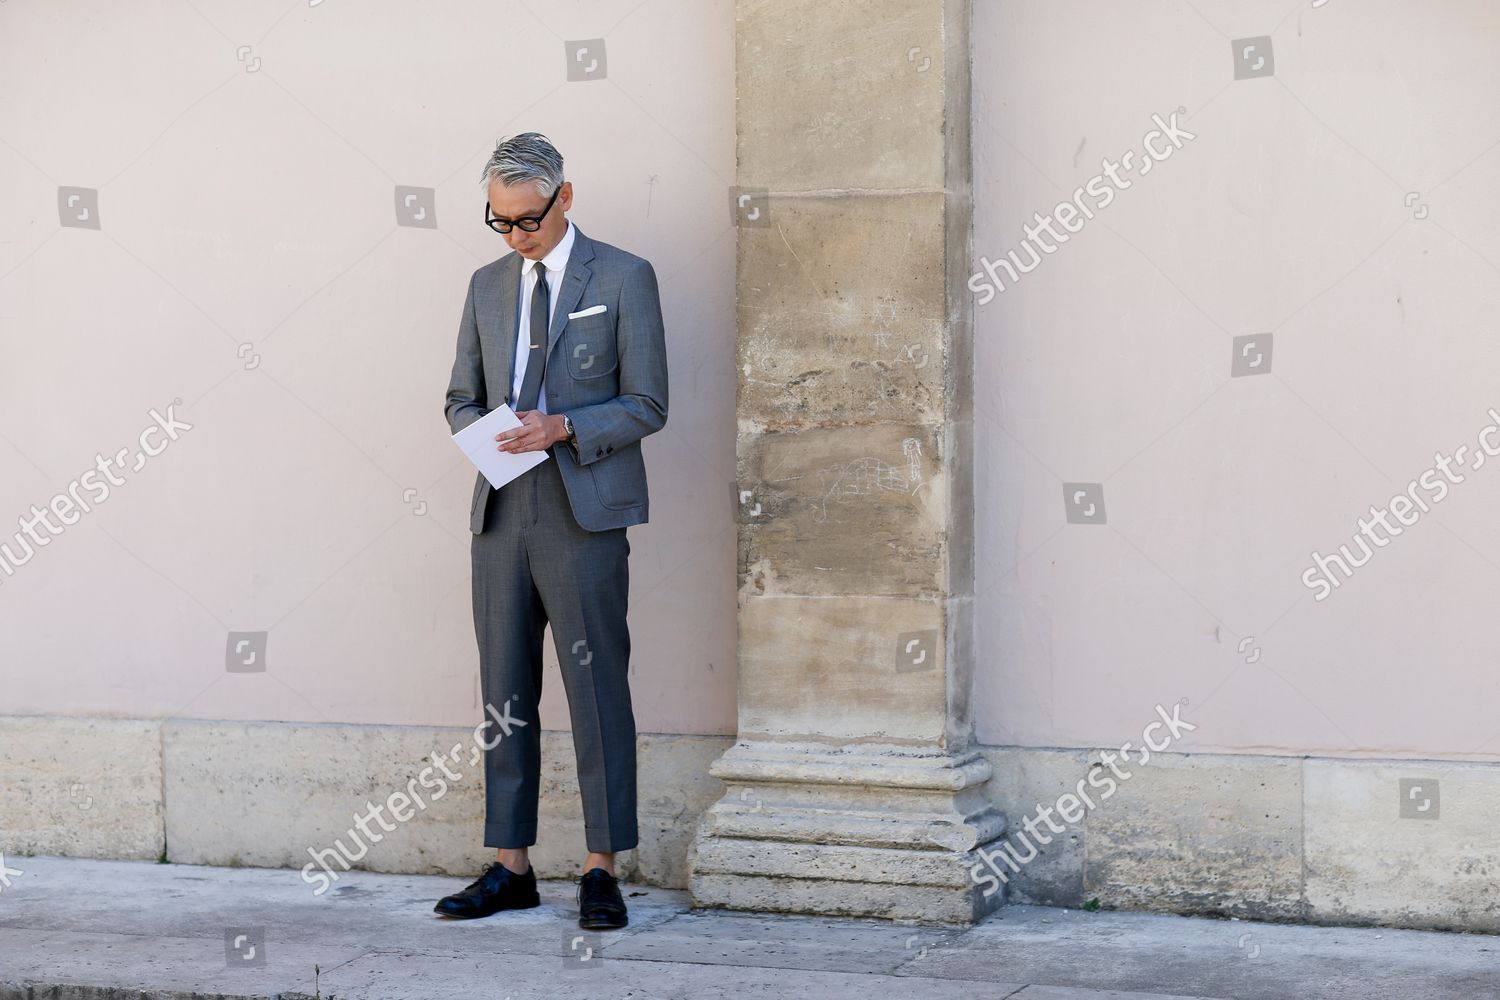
{"type": "Point", "coordinates": [619, 486]}
{"type": "Point", "coordinates": [590, 347]}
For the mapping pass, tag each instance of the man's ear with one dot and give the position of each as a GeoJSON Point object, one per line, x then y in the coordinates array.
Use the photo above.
{"type": "Point", "coordinates": [565, 198]}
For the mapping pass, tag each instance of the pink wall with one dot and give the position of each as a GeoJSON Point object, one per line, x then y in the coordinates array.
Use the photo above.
{"type": "Point", "coordinates": [1338, 198]}
{"type": "Point", "coordinates": [249, 202]}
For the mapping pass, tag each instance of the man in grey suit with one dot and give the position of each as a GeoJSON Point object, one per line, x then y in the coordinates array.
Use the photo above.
{"type": "Point", "coordinates": [568, 331]}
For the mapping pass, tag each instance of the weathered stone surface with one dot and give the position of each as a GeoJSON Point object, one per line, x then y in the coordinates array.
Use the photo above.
{"type": "Point", "coordinates": [262, 794]}
{"type": "Point", "coordinates": [1410, 843]}
{"type": "Point", "coordinates": [81, 787]}
{"type": "Point", "coordinates": [817, 109]}
{"type": "Point", "coordinates": [843, 510]}
{"type": "Point", "coordinates": [924, 904]}
{"type": "Point", "coordinates": [1023, 780]}
{"type": "Point", "coordinates": [841, 312]}
{"type": "Point", "coordinates": [828, 667]}
{"type": "Point", "coordinates": [266, 794]}
{"type": "Point", "coordinates": [856, 511]}
{"type": "Point", "coordinates": [885, 831]}
{"type": "Point", "coordinates": [1204, 833]}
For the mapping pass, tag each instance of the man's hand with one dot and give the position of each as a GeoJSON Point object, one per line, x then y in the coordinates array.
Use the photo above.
{"type": "Point", "coordinates": [538, 432]}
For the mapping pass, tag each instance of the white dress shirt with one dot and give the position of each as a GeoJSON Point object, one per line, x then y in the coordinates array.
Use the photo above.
{"type": "Point", "coordinates": [555, 262]}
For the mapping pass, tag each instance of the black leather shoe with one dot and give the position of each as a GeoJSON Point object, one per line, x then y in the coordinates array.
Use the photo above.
{"type": "Point", "coordinates": [497, 888]}
{"type": "Point", "coordinates": [600, 907]}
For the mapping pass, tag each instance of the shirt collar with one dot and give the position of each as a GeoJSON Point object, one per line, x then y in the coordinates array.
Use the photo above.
{"type": "Point", "coordinates": [557, 257]}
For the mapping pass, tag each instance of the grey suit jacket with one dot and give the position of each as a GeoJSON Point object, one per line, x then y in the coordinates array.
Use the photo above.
{"type": "Point", "coordinates": [606, 371]}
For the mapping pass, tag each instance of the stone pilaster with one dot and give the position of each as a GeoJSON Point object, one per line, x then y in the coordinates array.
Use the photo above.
{"type": "Point", "coordinates": [853, 787]}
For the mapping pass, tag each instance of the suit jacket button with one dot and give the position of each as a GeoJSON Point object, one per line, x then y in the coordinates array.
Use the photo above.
{"type": "Point", "coordinates": [610, 448]}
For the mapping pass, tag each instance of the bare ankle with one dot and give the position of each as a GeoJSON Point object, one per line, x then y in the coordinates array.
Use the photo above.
{"type": "Point", "coordinates": [514, 859]}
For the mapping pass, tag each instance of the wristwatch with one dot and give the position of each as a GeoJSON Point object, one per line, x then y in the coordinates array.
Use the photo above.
{"type": "Point", "coordinates": [568, 429]}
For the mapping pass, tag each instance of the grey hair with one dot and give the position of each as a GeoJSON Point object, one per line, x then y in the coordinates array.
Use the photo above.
{"type": "Point", "coordinates": [525, 157]}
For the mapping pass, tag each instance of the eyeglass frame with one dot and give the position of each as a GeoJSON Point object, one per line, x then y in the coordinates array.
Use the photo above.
{"type": "Point", "coordinates": [509, 224]}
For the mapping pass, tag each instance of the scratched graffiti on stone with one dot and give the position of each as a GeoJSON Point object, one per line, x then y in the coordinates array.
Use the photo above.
{"type": "Point", "coordinates": [885, 319]}
{"type": "Point", "coordinates": [868, 475]}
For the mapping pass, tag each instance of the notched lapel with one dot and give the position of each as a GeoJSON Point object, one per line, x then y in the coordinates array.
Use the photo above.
{"type": "Point", "coordinates": [497, 310]}
{"type": "Point", "coordinates": [575, 279]}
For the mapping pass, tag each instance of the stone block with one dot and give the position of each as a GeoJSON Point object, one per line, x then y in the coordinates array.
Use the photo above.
{"type": "Point", "coordinates": [843, 510]}
{"type": "Point", "coordinates": [1203, 833]}
{"type": "Point", "coordinates": [829, 667]}
{"type": "Point", "coordinates": [1023, 780]}
{"type": "Point", "coordinates": [1408, 843]}
{"type": "Point", "coordinates": [842, 312]}
{"type": "Point", "coordinates": [857, 88]}
{"type": "Point", "coordinates": [83, 788]}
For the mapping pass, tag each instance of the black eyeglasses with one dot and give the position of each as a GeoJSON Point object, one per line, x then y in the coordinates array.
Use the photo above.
{"type": "Point", "coordinates": [529, 224]}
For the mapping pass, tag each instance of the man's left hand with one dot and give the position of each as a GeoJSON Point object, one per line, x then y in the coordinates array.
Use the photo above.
{"type": "Point", "coordinates": [538, 431]}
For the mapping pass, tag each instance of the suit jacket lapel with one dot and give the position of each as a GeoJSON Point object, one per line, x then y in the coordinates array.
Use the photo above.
{"type": "Point", "coordinates": [575, 278]}
{"type": "Point", "coordinates": [499, 297]}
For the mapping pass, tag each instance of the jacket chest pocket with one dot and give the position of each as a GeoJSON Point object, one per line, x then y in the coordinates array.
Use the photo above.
{"type": "Point", "coordinates": [588, 346]}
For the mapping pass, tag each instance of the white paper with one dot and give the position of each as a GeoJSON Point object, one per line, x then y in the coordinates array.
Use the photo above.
{"type": "Point", "coordinates": [478, 442]}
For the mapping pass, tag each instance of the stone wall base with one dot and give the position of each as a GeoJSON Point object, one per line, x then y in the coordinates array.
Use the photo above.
{"type": "Point", "coordinates": [265, 794]}
{"type": "Point", "coordinates": [1324, 840]}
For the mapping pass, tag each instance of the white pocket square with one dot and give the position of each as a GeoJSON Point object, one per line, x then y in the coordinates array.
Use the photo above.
{"type": "Point", "coordinates": [590, 311]}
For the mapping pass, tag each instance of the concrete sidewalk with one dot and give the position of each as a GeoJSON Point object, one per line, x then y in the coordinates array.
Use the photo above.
{"type": "Point", "coordinates": [182, 931]}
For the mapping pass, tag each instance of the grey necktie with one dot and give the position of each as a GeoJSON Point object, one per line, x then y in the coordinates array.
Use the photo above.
{"type": "Point", "coordinates": [541, 311]}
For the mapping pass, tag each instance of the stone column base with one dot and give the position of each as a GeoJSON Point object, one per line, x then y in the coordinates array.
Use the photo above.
{"type": "Point", "coordinates": [874, 831]}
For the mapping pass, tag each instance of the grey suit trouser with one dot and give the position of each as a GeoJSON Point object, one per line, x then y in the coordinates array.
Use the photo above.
{"type": "Point", "coordinates": [534, 565]}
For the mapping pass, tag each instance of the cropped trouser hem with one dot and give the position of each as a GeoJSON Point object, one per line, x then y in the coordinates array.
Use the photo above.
{"type": "Point", "coordinates": [607, 842]}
